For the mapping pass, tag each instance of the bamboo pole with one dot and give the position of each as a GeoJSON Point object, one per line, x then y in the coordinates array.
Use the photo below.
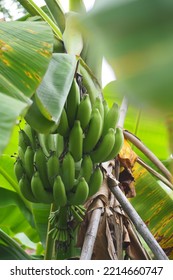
{"type": "Point", "coordinates": [90, 235]}
{"type": "Point", "coordinates": [140, 226]}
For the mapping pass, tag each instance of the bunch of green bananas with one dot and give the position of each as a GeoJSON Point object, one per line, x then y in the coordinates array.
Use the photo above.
{"type": "Point", "coordinates": [45, 175]}
{"type": "Point", "coordinates": [64, 168]}
{"type": "Point", "coordinates": [90, 128]}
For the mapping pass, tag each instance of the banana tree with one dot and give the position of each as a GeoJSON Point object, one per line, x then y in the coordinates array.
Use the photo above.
{"type": "Point", "coordinates": [45, 59]}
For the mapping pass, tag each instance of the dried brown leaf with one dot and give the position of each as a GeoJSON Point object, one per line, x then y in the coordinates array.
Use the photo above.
{"type": "Point", "coordinates": [115, 236]}
{"type": "Point", "coordinates": [127, 183]}
{"type": "Point", "coordinates": [135, 250]}
{"type": "Point", "coordinates": [127, 156]}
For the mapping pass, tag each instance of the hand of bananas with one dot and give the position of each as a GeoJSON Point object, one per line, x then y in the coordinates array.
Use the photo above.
{"type": "Point", "coordinates": [64, 168]}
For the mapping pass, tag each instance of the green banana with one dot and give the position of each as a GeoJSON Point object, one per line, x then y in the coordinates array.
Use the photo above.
{"type": "Point", "coordinates": [119, 140]}
{"type": "Point", "coordinates": [41, 166]}
{"type": "Point", "coordinates": [76, 141]}
{"type": "Point", "coordinates": [59, 144]}
{"type": "Point", "coordinates": [59, 192]}
{"type": "Point", "coordinates": [31, 134]}
{"type": "Point", "coordinates": [25, 188]}
{"type": "Point", "coordinates": [21, 153]}
{"type": "Point", "coordinates": [72, 37]}
{"type": "Point", "coordinates": [99, 105]}
{"type": "Point", "coordinates": [39, 191]}
{"type": "Point", "coordinates": [61, 236]}
{"type": "Point", "coordinates": [23, 140]}
{"type": "Point", "coordinates": [29, 161]}
{"type": "Point", "coordinates": [111, 118]}
{"type": "Point", "coordinates": [94, 131]}
{"type": "Point", "coordinates": [105, 107]}
{"type": "Point", "coordinates": [95, 181]}
{"type": "Point", "coordinates": [76, 214]}
{"type": "Point", "coordinates": [49, 142]}
{"type": "Point", "coordinates": [104, 147]}
{"type": "Point", "coordinates": [72, 103]}
{"type": "Point", "coordinates": [77, 168]}
{"type": "Point", "coordinates": [41, 143]}
{"type": "Point", "coordinates": [18, 169]}
{"type": "Point", "coordinates": [68, 171]}
{"type": "Point", "coordinates": [80, 193]}
{"type": "Point", "coordinates": [37, 121]}
{"type": "Point", "coordinates": [60, 231]}
{"type": "Point", "coordinates": [84, 111]}
{"type": "Point", "coordinates": [86, 168]}
{"type": "Point", "coordinates": [53, 168]}
{"type": "Point", "coordinates": [63, 126]}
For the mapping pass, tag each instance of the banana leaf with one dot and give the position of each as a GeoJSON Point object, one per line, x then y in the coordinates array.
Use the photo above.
{"type": "Point", "coordinates": [56, 84]}
{"type": "Point", "coordinates": [10, 108]}
{"type": "Point", "coordinates": [15, 217]}
{"type": "Point", "coordinates": [155, 206]}
{"type": "Point", "coordinates": [10, 249]}
{"type": "Point", "coordinates": [8, 178]}
{"type": "Point", "coordinates": [9, 253]}
{"type": "Point", "coordinates": [12, 146]}
{"type": "Point", "coordinates": [15, 209]}
{"type": "Point", "coordinates": [136, 38]}
{"type": "Point", "coordinates": [17, 214]}
{"type": "Point", "coordinates": [26, 49]}
{"type": "Point", "coordinates": [41, 213]}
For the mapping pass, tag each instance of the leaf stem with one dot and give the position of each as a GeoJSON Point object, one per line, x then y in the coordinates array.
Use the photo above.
{"type": "Point", "coordinates": [13, 244]}
{"type": "Point", "coordinates": [138, 143]}
{"type": "Point", "coordinates": [49, 240]}
{"type": "Point", "coordinates": [155, 173]}
{"type": "Point", "coordinates": [46, 18]}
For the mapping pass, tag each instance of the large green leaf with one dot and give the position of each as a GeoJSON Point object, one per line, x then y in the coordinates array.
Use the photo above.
{"type": "Point", "coordinates": [147, 125]}
{"type": "Point", "coordinates": [12, 217]}
{"type": "Point", "coordinates": [56, 84]}
{"type": "Point", "coordinates": [10, 108]}
{"type": "Point", "coordinates": [12, 146]}
{"type": "Point", "coordinates": [7, 176]}
{"type": "Point", "coordinates": [10, 195]}
{"type": "Point", "coordinates": [136, 37]}
{"type": "Point", "coordinates": [10, 249]}
{"type": "Point", "coordinates": [155, 206]}
{"type": "Point", "coordinates": [17, 214]}
{"type": "Point", "coordinates": [9, 253]}
{"type": "Point", "coordinates": [41, 213]}
{"type": "Point", "coordinates": [26, 49]}
{"type": "Point", "coordinates": [8, 198]}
